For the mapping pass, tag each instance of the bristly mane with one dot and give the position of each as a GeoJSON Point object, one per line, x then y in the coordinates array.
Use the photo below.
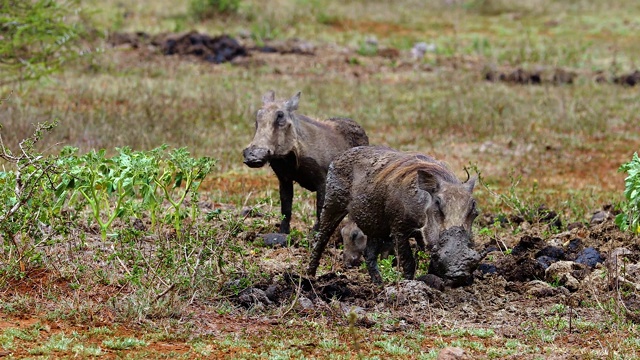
{"type": "Point", "coordinates": [404, 169]}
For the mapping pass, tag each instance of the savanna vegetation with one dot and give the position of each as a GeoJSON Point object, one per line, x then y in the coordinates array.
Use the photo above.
{"type": "Point", "coordinates": [129, 225]}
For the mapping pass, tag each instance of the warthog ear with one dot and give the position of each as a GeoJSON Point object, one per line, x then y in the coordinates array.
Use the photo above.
{"type": "Point", "coordinates": [428, 182]}
{"type": "Point", "coordinates": [292, 104]}
{"type": "Point", "coordinates": [268, 97]}
{"type": "Point", "coordinates": [471, 183]}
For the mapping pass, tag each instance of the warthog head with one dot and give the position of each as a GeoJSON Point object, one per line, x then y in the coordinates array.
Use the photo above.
{"type": "Point", "coordinates": [354, 242]}
{"type": "Point", "coordinates": [453, 257]}
{"type": "Point", "coordinates": [275, 133]}
{"type": "Point", "coordinates": [450, 215]}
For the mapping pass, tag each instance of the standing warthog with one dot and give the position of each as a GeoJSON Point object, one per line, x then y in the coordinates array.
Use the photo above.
{"type": "Point", "coordinates": [298, 148]}
{"type": "Point", "coordinates": [397, 195]}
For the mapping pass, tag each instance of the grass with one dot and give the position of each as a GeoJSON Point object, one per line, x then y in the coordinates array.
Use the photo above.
{"type": "Point", "coordinates": [563, 143]}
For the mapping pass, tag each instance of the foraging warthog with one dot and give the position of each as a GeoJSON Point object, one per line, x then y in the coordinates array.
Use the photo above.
{"type": "Point", "coordinates": [354, 243]}
{"type": "Point", "coordinates": [389, 193]}
{"type": "Point", "coordinates": [298, 148]}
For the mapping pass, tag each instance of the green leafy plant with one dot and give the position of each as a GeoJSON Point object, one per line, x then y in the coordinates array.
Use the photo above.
{"type": "Point", "coordinates": [180, 176]}
{"type": "Point", "coordinates": [387, 271]}
{"type": "Point", "coordinates": [109, 185]}
{"type": "Point", "coordinates": [629, 219]}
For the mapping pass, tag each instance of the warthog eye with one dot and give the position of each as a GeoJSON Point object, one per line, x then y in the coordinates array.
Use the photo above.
{"type": "Point", "coordinates": [280, 118]}
{"type": "Point", "coordinates": [438, 203]}
{"type": "Point", "coordinates": [473, 211]}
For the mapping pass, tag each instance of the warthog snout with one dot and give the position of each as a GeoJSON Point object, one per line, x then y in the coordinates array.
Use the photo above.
{"type": "Point", "coordinates": [255, 157]}
{"type": "Point", "coordinates": [453, 257]}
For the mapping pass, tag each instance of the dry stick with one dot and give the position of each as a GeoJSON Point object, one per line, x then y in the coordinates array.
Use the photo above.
{"type": "Point", "coordinates": [295, 300]}
{"type": "Point", "coordinates": [164, 292]}
{"type": "Point", "coordinates": [124, 267]}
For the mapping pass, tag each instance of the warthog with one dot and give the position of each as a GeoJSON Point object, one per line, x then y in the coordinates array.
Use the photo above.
{"type": "Point", "coordinates": [354, 243]}
{"type": "Point", "coordinates": [398, 195]}
{"type": "Point", "coordinates": [298, 148]}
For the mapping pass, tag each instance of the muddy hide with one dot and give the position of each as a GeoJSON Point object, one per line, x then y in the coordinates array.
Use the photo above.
{"type": "Point", "coordinates": [453, 258]}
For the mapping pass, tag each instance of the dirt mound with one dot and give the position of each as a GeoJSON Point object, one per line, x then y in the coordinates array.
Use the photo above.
{"type": "Point", "coordinates": [555, 76]}
{"type": "Point", "coordinates": [216, 49]}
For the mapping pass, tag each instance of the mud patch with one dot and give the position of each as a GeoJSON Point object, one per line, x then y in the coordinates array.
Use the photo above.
{"type": "Point", "coordinates": [554, 76]}
{"type": "Point", "coordinates": [217, 50]}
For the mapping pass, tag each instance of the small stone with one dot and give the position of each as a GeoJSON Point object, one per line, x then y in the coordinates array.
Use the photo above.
{"type": "Point", "coordinates": [274, 239]}
{"type": "Point", "coordinates": [554, 252]}
{"type": "Point", "coordinates": [305, 303]}
{"type": "Point", "coordinates": [487, 268]}
{"type": "Point", "coordinates": [253, 297]}
{"type": "Point", "coordinates": [546, 261]}
{"type": "Point", "coordinates": [590, 257]}
{"type": "Point", "coordinates": [271, 292]}
{"type": "Point", "coordinates": [451, 353]}
{"type": "Point", "coordinates": [599, 217]}
{"type": "Point", "coordinates": [562, 273]}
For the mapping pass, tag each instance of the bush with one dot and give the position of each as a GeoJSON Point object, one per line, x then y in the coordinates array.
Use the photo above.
{"type": "Point", "coordinates": [629, 219]}
{"type": "Point", "coordinates": [38, 37]}
{"type": "Point", "coordinates": [205, 9]}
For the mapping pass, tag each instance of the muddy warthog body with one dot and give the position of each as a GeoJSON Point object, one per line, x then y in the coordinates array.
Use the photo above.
{"type": "Point", "coordinates": [298, 148]}
{"type": "Point", "coordinates": [396, 195]}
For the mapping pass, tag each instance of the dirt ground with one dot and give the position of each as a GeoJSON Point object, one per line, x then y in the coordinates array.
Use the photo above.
{"type": "Point", "coordinates": [590, 268]}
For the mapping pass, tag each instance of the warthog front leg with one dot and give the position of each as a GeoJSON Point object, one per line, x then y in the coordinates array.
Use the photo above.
{"type": "Point", "coordinates": [371, 259]}
{"type": "Point", "coordinates": [405, 256]}
{"type": "Point", "coordinates": [319, 204]}
{"type": "Point", "coordinates": [332, 213]}
{"type": "Point", "coordinates": [286, 201]}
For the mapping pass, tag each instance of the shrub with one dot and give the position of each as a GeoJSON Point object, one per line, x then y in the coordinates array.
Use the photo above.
{"type": "Point", "coordinates": [205, 9]}
{"type": "Point", "coordinates": [38, 37]}
{"type": "Point", "coordinates": [629, 219]}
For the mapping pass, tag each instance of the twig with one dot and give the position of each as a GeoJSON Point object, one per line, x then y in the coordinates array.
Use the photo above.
{"type": "Point", "coordinates": [295, 300]}
{"type": "Point", "coordinates": [165, 292]}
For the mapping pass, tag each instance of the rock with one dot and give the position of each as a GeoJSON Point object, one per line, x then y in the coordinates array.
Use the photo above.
{"type": "Point", "coordinates": [253, 297]}
{"type": "Point", "coordinates": [599, 217]}
{"type": "Point", "coordinates": [542, 289]}
{"type": "Point", "coordinates": [274, 239]}
{"type": "Point", "coordinates": [546, 261]}
{"type": "Point", "coordinates": [451, 353]}
{"type": "Point", "coordinates": [408, 292]}
{"type": "Point", "coordinates": [305, 303]}
{"type": "Point", "coordinates": [573, 248]}
{"type": "Point", "coordinates": [565, 273]}
{"type": "Point", "coordinates": [271, 292]}
{"type": "Point", "coordinates": [485, 268]}
{"type": "Point", "coordinates": [590, 257]}
{"type": "Point", "coordinates": [553, 252]}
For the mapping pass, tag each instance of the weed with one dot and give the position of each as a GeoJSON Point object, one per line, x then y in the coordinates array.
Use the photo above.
{"type": "Point", "coordinates": [123, 343]}
{"type": "Point", "coordinates": [629, 219]}
{"type": "Point", "coordinates": [87, 350]}
{"type": "Point", "coordinates": [388, 272]}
